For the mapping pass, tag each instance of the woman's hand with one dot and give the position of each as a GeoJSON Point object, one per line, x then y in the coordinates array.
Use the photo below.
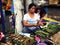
{"type": "Point", "coordinates": [34, 25]}
{"type": "Point", "coordinates": [41, 24]}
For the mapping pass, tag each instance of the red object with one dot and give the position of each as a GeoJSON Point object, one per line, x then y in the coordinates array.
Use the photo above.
{"type": "Point", "coordinates": [8, 7]}
{"type": "Point", "coordinates": [1, 35]}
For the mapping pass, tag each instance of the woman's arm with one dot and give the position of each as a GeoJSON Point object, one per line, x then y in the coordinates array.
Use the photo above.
{"type": "Point", "coordinates": [28, 25]}
{"type": "Point", "coordinates": [40, 22]}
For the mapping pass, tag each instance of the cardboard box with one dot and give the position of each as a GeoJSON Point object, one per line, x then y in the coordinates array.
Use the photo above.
{"type": "Point", "coordinates": [53, 1]}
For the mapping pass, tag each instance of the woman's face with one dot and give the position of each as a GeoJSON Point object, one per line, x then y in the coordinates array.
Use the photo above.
{"type": "Point", "coordinates": [38, 11]}
{"type": "Point", "coordinates": [43, 15]}
{"type": "Point", "coordinates": [32, 9]}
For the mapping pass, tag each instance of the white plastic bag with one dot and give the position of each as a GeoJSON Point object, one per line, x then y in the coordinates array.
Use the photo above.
{"type": "Point", "coordinates": [10, 18]}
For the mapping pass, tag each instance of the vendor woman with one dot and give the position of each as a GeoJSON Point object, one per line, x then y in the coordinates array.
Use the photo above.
{"type": "Point", "coordinates": [31, 20]}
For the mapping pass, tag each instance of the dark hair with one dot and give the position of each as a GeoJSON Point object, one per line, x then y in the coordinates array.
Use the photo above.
{"type": "Point", "coordinates": [3, 4]}
{"type": "Point", "coordinates": [38, 8]}
{"type": "Point", "coordinates": [31, 5]}
{"type": "Point", "coordinates": [42, 12]}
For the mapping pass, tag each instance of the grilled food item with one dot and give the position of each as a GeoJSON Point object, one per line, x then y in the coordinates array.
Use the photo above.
{"type": "Point", "coordinates": [20, 39]}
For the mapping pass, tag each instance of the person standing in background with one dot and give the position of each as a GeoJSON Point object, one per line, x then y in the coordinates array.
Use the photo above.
{"type": "Point", "coordinates": [12, 20]}
{"type": "Point", "coordinates": [37, 11]}
{"type": "Point", "coordinates": [3, 9]}
{"type": "Point", "coordinates": [42, 13]}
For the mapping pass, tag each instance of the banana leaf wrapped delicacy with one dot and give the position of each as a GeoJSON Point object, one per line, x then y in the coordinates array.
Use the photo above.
{"type": "Point", "coordinates": [42, 33]}
{"type": "Point", "coordinates": [51, 29]}
{"type": "Point", "coordinates": [54, 27]}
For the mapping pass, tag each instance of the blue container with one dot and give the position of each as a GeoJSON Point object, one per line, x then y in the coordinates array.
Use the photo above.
{"type": "Point", "coordinates": [53, 22]}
